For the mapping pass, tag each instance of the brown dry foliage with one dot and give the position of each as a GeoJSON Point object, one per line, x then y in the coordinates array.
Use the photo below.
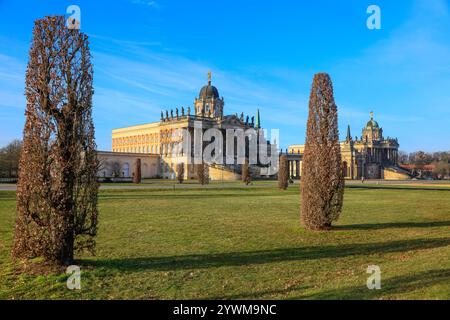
{"type": "Point", "coordinates": [57, 189]}
{"type": "Point", "coordinates": [180, 172]}
{"type": "Point", "coordinates": [202, 173]}
{"type": "Point", "coordinates": [246, 176]}
{"type": "Point", "coordinates": [137, 176]}
{"type": "Point", "coordinates": [322, 186]}
{"type": "Point", "coordinates": [283, 173]}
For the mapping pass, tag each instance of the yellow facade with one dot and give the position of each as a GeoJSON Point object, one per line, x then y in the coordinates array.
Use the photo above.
{"type": "Point", "coordinates": [371, 156]}
{"type": "Point", "coordinates": [161, 138]}
{"type": "Point", "coordinates": [137, 139]}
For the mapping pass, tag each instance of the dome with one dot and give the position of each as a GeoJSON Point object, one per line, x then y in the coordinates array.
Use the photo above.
{"type": "Point", "coordinates": [208, 92]}
{"type": "Point", "coordinates": [372, 124]}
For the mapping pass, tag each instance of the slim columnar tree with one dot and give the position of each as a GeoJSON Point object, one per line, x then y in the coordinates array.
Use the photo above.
{"type": "Point", "coordinates": [246, 177]}
{"type": "Point", "coordinates": [180, 172]}
{"type": "Point", "coordinates": [200, 169]}
{"type": "Point", "coordinates": [202, 173]}
{"type": "Point", "coordinates": [283, 174]}
{"type": "Point", "coordinates": [322, 184]}
{"type": "Point", "coordinates": [57, 188]}
{"type": "Point", "coordinates": [205, 173]}
{"type": "Point", "coordinates": [137, 176]}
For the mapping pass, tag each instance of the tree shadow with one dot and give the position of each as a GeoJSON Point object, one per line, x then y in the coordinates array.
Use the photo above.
{"type": "Point", "coordinates": [394, 225]}
{"type": "Point", "coordinates": [186, 196]}
{"type": "Point", "coordinates": [204, 261]}
{"type": "Point", "coordinates": [389, 286]}
{"type": "Point", "coordinates": [263, 294]}
{"type": "Point", "coordinates": [413, 188]}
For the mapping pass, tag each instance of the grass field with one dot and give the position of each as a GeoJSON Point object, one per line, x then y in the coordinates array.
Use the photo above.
{"type": "Point", "coordinates": [247, 243]}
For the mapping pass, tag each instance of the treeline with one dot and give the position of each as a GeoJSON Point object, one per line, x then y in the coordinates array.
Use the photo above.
{"type": "Point", "coordinates": [437, 163]}
{"type": "Point", "coordinates": [9, 159]}
{"type": "Point", "coordinates": [423, 158]}
{"type": "Point", "coordinates": [422, 164]}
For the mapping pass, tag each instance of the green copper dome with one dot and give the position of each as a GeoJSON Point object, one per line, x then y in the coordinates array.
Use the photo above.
{"type": "Point", "coordinates": [372, 123]}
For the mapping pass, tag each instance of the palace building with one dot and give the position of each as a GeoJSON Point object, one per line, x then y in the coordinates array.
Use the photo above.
{"type": "Point", "coordinates": [155, 143]}
{"type": "Point", "coordinates": [156, 146]}
{"type": "Point", "coordinates": [371, 156]}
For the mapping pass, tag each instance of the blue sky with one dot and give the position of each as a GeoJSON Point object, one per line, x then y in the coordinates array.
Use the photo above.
{"type": "Point", "coordinates": [153, 55]}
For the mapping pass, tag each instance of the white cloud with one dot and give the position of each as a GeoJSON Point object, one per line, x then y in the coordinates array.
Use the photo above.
{"type": "Point", "coordinates": [12, 82]}
{"type": "Point", "coordinates": [148, 3]}
{"type": "Point", "coordinates": [174, 81]}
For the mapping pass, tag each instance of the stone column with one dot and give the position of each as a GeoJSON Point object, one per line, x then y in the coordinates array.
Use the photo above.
{"type": "Point", "coordinates": [292, 169]}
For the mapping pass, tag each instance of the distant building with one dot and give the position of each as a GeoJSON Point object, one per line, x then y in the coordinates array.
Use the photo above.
{"type": "Point", "coordinates": [371, 156]}
{"type": "Point", "coordinates": [156, 142]}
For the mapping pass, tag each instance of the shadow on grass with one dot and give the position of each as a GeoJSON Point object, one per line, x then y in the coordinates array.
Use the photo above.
{"type": "Point", "coordinates": [390, 286]}
{"type": "Point", "coordinates": [188, 196]}
{"type": "Point", "coordinates": [262, 294]}
{"type": "Point", "coordinates": [203, 261]}
{"type": "Point", "coordinates": [394, 225]}
{"type": "Point", "coordinates": [387, 187]}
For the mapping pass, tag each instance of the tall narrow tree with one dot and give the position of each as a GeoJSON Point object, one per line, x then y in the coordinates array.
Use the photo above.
{"type": "Point", "coordinates": [322, 184]}
{"type": "Point", "coordinates": [137, 175]}
{"type": "Point", "coordinates": [200, 170]}
{"type": "Point", "coordinates": [180, 172]}
{"type": "Point", "coordinates": [57, 188]}
{"type": "Point", "coordinates": [283, 173]}
{"type": "Point", "coordinates": [246, 176]}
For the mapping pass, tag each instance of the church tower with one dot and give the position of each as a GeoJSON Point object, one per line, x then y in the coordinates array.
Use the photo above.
{"type": "Point", "coordinates": [209, 104]}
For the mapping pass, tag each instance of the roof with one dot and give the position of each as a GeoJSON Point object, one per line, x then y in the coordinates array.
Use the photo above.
{"type": "Point", "coordinates": [208, 92]}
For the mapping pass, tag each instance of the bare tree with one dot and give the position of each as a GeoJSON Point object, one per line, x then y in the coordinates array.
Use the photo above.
{"type": "Point", "coordinates": [57, 189]}
{"type": "Point", "coordinates": [180, 172]}
{"type": "Point", "coordinates": [441, 170]}
{"type": "Point", "coordinates": [322, 184]}
{"type": "Point", "coordinates": [9, 159]}
{"type": "Point", "coordinates": [283, 173]}
{"type": "Point", "coordinates": [137, 174]}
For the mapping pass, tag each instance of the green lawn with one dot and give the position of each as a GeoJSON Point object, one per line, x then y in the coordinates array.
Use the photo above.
{"type": "Point", "coordinates": [247, 243]}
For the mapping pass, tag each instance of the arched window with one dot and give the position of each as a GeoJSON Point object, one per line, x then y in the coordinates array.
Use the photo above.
{"type": "Point", "coordinates": [126, 170]}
